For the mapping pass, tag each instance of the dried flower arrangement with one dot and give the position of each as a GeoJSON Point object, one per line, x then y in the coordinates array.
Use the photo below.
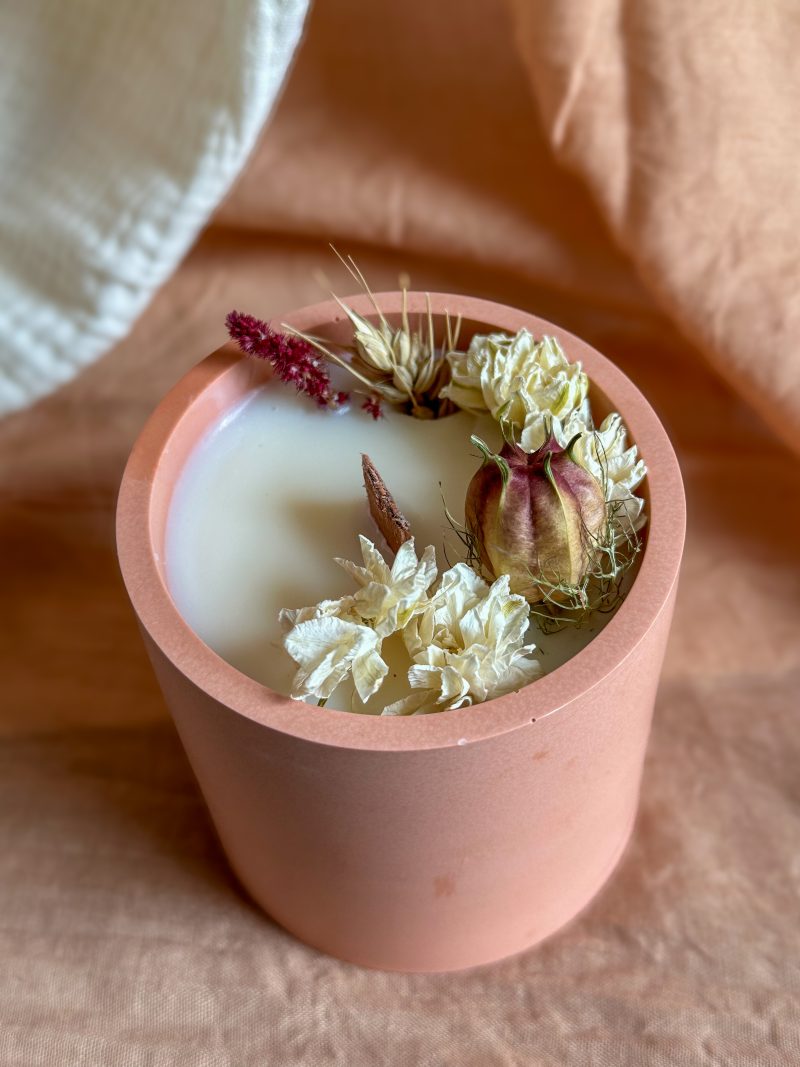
{"type": "Point", "coordinates": [552, 519]}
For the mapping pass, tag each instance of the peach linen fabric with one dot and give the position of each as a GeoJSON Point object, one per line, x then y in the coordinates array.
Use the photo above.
{"type": "Point", "coordinates": [683, 120]}
{"type": "Point", "coordinates": [410, 136]}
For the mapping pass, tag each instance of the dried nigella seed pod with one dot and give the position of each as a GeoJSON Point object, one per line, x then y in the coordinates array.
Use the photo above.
{"type": "Point", "coordinates": [538, 517]}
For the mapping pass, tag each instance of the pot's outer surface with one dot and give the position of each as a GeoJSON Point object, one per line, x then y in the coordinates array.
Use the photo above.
{"type": "Point", "coordinates": [437, 842]}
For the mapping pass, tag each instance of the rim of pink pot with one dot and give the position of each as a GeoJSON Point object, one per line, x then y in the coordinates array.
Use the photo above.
{"type": "Point", "coordinates": [215, 383]}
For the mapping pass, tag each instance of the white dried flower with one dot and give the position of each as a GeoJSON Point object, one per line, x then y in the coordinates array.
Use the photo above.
{"type": "Point", "coordinates": [467, 645]}
{"type": "Point", "coordinates": [618, 469]}
{"type": "Point", "coordinates": [525, 382]}
{"type": "Point", "coordinates": [335, 638]}
{"type": "Point", "coordinates": [341, 608]}
{"type": "Point", "coordinates": [326, 650]}
{"type": "Point", "coordinates": [540, 425]}
{"type": "Point", "coordinates": [390, 597]}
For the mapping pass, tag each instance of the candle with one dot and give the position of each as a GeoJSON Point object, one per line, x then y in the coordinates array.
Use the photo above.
{"type": "Point", "coordinates": [274, 491]}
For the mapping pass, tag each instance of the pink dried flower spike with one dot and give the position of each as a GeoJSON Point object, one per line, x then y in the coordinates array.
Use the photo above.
{"type": "Point", "coordinates": [372, 405]}
{"type": "Point", "coordinates": [293, 359]}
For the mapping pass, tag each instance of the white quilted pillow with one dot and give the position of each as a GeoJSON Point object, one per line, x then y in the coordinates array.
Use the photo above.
{"type": "Point", "coordinates": [123, 124]}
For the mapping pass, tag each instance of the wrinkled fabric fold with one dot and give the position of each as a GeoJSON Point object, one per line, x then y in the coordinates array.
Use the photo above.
{"type": "Point", "coordinates": [682, 120]}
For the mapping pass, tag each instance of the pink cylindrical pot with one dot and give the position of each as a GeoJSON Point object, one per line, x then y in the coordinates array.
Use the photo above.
{"type": "Point", "coordinates": [427, 843]}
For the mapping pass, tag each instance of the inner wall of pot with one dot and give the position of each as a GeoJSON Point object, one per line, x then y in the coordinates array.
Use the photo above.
{"type": "Point", "coordinates": [218, 396]}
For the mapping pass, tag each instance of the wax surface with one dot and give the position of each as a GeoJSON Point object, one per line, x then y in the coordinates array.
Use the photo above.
{"type": "Point", "coordinates": [274, 492]}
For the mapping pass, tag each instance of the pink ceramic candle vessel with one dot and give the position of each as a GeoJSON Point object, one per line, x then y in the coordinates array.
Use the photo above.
{"type": "Point", "coordinates": [428, 843]}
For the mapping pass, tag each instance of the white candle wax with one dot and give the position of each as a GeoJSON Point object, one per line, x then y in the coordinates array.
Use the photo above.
{"type": "Point", "coordinates": [274, 491]}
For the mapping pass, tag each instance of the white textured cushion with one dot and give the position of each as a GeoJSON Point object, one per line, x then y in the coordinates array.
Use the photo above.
{"type": "Point", "coordinates": [122, 124]}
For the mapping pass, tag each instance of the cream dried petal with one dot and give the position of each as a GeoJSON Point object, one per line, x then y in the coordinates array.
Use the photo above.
{"type": "Point", "coordinates": [514, 377]}
{"type": "Point", "coordinates": [369, 670]}
{"type": "Point", "coordinates": [378, 607]}
{"type": "Point", "coordinates": [605, 453]}
{"type": "Point", "coordinates": [500, 619]}
{"type": "Point", "coordinates": [467, 644]}
{"type": "Point", "coordinates": [538, 424]}
{"type": "Point", "coordinates": [447, 683]}
{"type": "Point", "coordinates": [342, 608]}
{"type": "Point", "coordinates": [407, 569]}
{"type": "Point", "coordinates": [396, 595]}
{"type": "Point", "coordinates": [459, 590]}
{"type": "Point", "coordinates": [435, 688]}
{"type": "Point", "coordinates": [418, 702]}
{"type": "Point", "coordinates": [375, 568]}
{"type": "Point", "coordinates": [325, 650]}
{"type": "Point", "coordinates": [458, 680]}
